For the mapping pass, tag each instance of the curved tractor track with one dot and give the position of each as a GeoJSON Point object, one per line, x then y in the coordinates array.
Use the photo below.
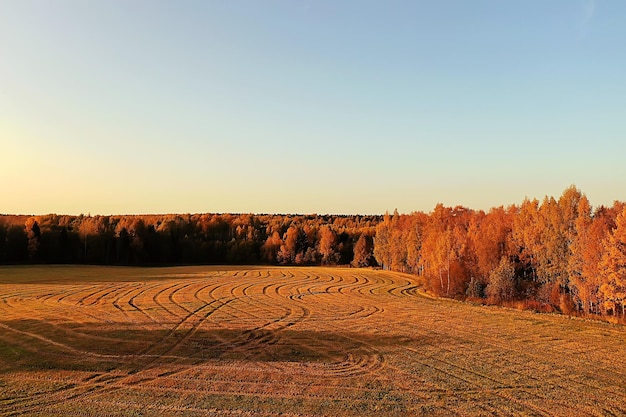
{"type": "Point", "coordinates": [212, 341]}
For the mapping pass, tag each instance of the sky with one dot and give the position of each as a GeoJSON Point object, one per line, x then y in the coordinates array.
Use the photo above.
{"type": "Point", "coordinates": [312, 106]}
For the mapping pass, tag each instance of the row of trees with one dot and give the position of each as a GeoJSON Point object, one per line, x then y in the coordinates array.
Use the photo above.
{"type": "Point", "coordinates": [557, 254]}
{"type": "Point", "coordinates": [188, 239]}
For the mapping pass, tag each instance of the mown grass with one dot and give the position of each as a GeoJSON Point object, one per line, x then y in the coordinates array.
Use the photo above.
{"type": "Point", "coordinates": [189, 341]}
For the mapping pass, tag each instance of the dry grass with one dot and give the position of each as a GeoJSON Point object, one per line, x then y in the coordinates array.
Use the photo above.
{"type": "Point", "coordinates": [209, 341]}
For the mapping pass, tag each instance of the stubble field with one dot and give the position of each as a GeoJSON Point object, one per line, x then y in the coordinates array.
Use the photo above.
{"type": "Point", "coordinates": [222, 341]}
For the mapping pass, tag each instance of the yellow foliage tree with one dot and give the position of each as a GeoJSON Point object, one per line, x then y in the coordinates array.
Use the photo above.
{"type": "Point", "coordinates": [613, 267]}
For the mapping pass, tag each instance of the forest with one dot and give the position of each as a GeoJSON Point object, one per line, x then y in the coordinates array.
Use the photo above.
{"type": "Point", "coordinates": [187, 239]}
{"type": "Point", "coordinates": [554, 255]}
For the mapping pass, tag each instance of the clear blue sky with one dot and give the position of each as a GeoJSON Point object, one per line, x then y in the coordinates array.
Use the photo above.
{"type": "Point", "coordinates": [313, 106]}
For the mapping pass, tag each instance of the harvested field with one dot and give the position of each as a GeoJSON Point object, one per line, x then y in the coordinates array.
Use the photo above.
{"type": "Point", "coordinates": [222, 341]}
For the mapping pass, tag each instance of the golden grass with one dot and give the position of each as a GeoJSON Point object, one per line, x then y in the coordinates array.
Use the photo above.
{"type": "Point", "coordinates": [213, 341]}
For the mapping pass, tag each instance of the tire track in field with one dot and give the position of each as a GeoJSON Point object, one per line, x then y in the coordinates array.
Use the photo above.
{"type": "Point", "coordinates": [60, 297]}
{"type": "Point", "coordinates": [188, 379]}
{"type": "Point", "coordinates": [40, 401]}
{"type": "Point", "coordinates": [110, 384]}
{"type": "Point", "coordinates": [171, 295]}
{"type": "Point", "coordinates": [245, 289]}
{"type": "Point", "coordinates": [182, 410]}
{"type": "Point", "coordinates": [65, 315]}
{"type": "Point", "coordinates": [188, 317]}
{"type": "Point", "coordinates": [340, 289]}
{"type": "Point", "coordinates": [119, 302]}
{"type": "Point", "coordinates": [523, 351]}
{"type": "Point", "coordinates": [505, 386]}
{"type": "Point", "coordinates": [500, 390]}
{"type": "Point", "coordinates": [342, 367]}
{"type": "Point", "coordinates": [265, 303]}
{"type": "Point", "coordinates": [102, 290]}
{"type": "Point", "coordinates": [67, 348]}
{"type": "Point", "coordinates": [564, 382]}
{"type": "Point", "coordinates": [118, 383]}
{"type": "Point", "coordinates": [157, 296]}
{"type": "Point", "coordinates": [212, 308]}
{"type": "Point", "coordinates": [109, 291]}
{"type": "Point", "coordinates": [255, 338]}
{"type": "Point", "coordinates": [132, 301]}
{"type": "Point", "coordinates": [354, 363]}
{"type": "Point", "coordinates": [288, 312]}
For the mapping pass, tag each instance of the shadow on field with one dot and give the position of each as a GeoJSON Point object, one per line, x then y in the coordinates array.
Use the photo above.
{"type": "Point", "coordinates": [33, 344]}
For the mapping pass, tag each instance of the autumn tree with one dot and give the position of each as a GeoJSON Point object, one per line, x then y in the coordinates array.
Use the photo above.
{"type": "Point", "coordinates": [443, 253]}
{"type": "Point", "coordinates": [552, 249]}
{"type": "Point", "coordinates": [568, 213]}
{"type": "Point", "coordinates": [501, 286]}
{"type": "Point", "coordinates": [458, 276]}
{"type": "Point", "coordinates": [33, 234]}
{"type": "Point", "coordinates": [271, 247]}
{"type": "Point", "coordinates": [587, 249]}
{"type": "Point", "coordinates": [613, 267]}
{"type": "Point", "coordinates": [414, 236]}
{"type": "Point", "coordinates": [294, 246]}
{"type": "Point", "coordinates": [444, 250]}
{"type": "Point", "coordinates": [434, 249]}
{"type": "Point", "coordinates": [397, 242]}
{"type": "Point", "coordinates": [327, 243]}
{"type": "Point", "coordinates": [489, 240]}
{"type": "Point", "coordinates": [545, 234]}
{"type": "Point", "coordinates": [382, 242]}
{"type": "Point", "coordinates": [527, 236]}
{"type": "Point", "coordinates": [362, 251]}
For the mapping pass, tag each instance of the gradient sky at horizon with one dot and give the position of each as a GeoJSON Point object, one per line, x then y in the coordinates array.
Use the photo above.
{"type": "Point", "coordinates": [318, 106]}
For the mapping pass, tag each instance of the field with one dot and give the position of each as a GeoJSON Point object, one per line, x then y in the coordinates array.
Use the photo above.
{"type": "Point", "coordinates": [223, 341]}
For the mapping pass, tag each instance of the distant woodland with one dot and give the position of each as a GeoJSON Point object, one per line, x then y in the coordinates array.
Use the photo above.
{"type": "Point", "coordinates": [554, 255]}
{"type": "Point", "coordinates": [175, 239]}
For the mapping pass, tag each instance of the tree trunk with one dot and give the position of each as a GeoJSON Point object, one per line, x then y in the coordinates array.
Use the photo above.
{"type": "Point", "coordinates": [441, 279]}
{"type": "Point", "coordinates": [448, 290]}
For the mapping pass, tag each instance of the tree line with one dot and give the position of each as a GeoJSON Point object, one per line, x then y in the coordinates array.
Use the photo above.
{"type": "Point", "coordinates": [188, 239]}
{"type": "Point", "coordinates": [557, 254]}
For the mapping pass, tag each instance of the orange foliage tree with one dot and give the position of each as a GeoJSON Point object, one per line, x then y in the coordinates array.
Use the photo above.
{"type": "Point", "coordinates": [613, 268]}
{"type": "Point", "coordinates": [554, 253]}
